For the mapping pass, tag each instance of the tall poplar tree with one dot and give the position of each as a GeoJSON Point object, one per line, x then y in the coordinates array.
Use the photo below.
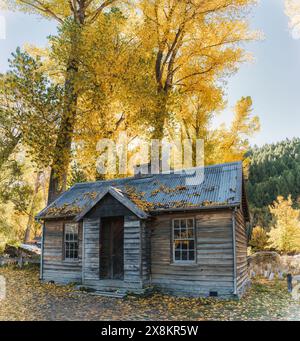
{"type": "Point", "coordinates": [79, 14]}
{"type": "Point", "coordinates": [196, 43]}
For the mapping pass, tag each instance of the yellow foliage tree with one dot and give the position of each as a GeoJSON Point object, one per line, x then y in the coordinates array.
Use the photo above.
{"type": "Point", "coordinates": [115, 91]}
{"type": "Point", "coordinates": [259, 239]}
{"type": "Point", "coordinates": [140, 71]}
{"type": "Point", "coordinates": [78, 15]}
{"type": "Point", "coordinates": [195, 43]}
{"type": "Point", "coordinates": [292, 10]}
{"type": "Point", "coordinates": [285, 235]}
{"type": "Point", "coordinates": [230, 144]}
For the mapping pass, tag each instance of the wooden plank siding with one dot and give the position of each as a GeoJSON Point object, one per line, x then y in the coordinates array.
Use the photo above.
{"type": "Point", "coordinates": [55, 267]}
{"type": "Point", "coordinates": [146, 252]}
{"type": "Point", "coordinates": [91, 252]}
{"type": "Point", "coordinates": [213, 270]}
{"type": "Point", "coordinates": [133, 272]}
{"type": "Point", "coordinates": [221, 252]}
{"type": "Point", "coordinates": [241, 252]}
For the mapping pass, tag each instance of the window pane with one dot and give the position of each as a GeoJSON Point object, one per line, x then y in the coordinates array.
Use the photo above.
{"type": "Point", "coordinates": [71, 241]}
{"type": "Point", "coordinates": [191, 245]}
{"type": "Point", "coordinates": [191, 233]}
{"type": "Point", "coordinates": [183, 224]}
{"type": "Point", "coordinates": [177, 245]}
{"type": "Point", "coordinates": [177, 234]}
{"type": "Point", "coordinates": [191, 255]}
{"type": "Point", "coordinates": [184, 234]}
{"type": "Point", "coordinates": [190, 223]}
{"type": "Point", "coordinates": [184, 240]}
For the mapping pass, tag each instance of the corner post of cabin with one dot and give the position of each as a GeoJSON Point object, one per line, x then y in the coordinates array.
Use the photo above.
{"type": "Point", "coordinates": [42, 253]}
{"type": "Point", "coordinates": [234, 252]}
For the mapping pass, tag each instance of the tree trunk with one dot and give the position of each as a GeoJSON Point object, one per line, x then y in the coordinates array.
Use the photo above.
{"type": "Point", "coordinates": [160, 117]}
{"type": "Point", "coordinates": [61, 160]}
{"type": "Point", "coordinates": [62, 153]}
{"type": "Point", "coordinates": [32, 208]}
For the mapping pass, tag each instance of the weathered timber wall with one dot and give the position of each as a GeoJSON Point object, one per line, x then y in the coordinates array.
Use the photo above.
{"type": "Point", "coordinates": [132, 252]}
{"type": "Point", "coordinates": [55, 267]}
{"type": "Point", "coordinates": [91, 251]}
{"type": "Point", "coordinates": [213, 270]}
{"type": "Point", "coordinates": [146, 252]}
{"type": "Point", "coordinates": [242, 278]}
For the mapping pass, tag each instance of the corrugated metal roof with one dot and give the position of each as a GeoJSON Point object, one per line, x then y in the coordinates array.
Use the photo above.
{"type": "Point", "coordinates": [222, 187]}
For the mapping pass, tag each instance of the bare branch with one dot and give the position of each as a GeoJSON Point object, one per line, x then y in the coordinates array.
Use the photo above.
{"type": "Point", "coordinates": [195, 74]}
{"type": "Point", "coordinates": [99, 10]}
{"type": "Point", "coordinates": [38, 5]}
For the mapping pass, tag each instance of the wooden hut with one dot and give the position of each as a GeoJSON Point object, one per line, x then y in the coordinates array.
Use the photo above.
{"type": "Point", "coordinates": [171, 231]}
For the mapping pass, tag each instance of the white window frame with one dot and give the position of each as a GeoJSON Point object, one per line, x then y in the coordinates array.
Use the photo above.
{"type": "Point", "coordinates": [194, 261]}
{"type": "Point", "coordinates": [74, 241]}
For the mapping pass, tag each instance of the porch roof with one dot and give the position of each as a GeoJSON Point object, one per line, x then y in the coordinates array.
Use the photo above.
{"type": "Point", "coordinates": [149, 194]}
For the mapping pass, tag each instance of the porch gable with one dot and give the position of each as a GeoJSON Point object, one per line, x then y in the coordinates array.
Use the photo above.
{"type": "Point", "coordinates": [119, 197]}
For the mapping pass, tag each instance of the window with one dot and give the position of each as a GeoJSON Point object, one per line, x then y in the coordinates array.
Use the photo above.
{"type": "Point", "coordinates": [71, 241]}
{"type": "Point", "coordinates": [184, 240]}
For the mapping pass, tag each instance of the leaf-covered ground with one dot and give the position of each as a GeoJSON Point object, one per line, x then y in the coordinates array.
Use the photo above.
{"type": "Point", "coordinates": [28, 299]}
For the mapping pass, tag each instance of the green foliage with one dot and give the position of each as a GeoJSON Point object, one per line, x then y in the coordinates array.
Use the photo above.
{"type": "Point", "coordinates": [13, 188]}
{"type": "Point", "coordinates": [77, 175]}
{"type": "Point", "coordinates": [274, 170]}
{"type": "Point", "coordinates": [34, 104]}
{"type": "Point", "coordinates": [9, 134]}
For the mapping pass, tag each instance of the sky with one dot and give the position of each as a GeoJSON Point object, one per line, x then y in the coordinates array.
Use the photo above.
{"type": "Point", "coordinates": [272, 79]}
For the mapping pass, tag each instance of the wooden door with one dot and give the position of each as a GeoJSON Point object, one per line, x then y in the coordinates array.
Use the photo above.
{"type": "Point", "coordinates": [112, 248]}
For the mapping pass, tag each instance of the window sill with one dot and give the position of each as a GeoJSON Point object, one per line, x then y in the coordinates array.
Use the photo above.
{"type": "Point", "coordinates": [184, 264]}
{"type": "Point", "coordinates": [70, 261]}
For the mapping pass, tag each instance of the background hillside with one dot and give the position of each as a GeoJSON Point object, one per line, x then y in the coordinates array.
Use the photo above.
{"type": "Point", "coordinates": [274, 170]}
